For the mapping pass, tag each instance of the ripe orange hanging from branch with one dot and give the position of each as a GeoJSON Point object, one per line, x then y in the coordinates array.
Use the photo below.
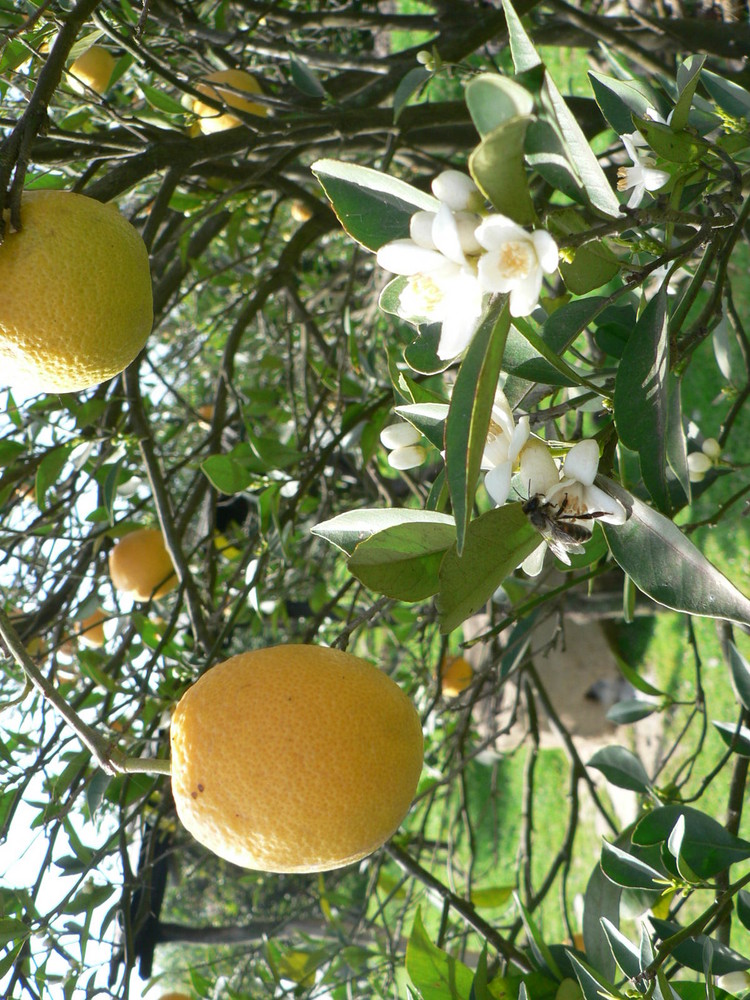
{"type": "Point", "coordinates": [294, 758]}
{"type": "Point", "coordinates": [76, 304]}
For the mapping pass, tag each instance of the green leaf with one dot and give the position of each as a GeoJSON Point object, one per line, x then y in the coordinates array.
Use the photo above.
{"type": "Point", "coordinates": [593, 984]}
{"type": "Point", "coordinates": [667, 567]}
{"type": "Point", "coordinates": [428, 418]}
{"type": "Point", "coordinates": [737, 739]}
{"type": "Point", "coordinates": [493, 99]}
{"type": "Point", "coordinates": [550, 355]}
{"type": "Point", "coordinates": [619, 100]}
{"type": "Point", "coordinates": [675, 147]}
{"type": "Point", "coordinates": [373, 208]}
{"type": "Point", "coordinates": [492, 896]}
{"type": "Point", "coordinates": [578, 149]}
{"type": "Point", "coordinates": [621, 767]}
{"type": "Point", "coordinates": [740, 675]}
{"type": "Point", "coordinates": [434, 973]}
{"type": "Point", "coordinates": [479, 987]}
{"type": "Point", "coordinates": [676, 440]}
{"type": "Point", "coordinates": [539, 949]}
{"type": "Point", "coordinates": [48, 472]}
{"type": "Point", "coordinates": [499, 171]}
{"type": "Point", "coordinates": [641, 404]}
{"type": "Point", "coordinates": [547, 155]}
{"type": "Point", "coordinates": [12, 929]}
{"type": "Point", "coordinates": [690, 953]}
{"type": "Point", "coordinates": [624, 713]}
{"type": "Point", "coordinates": [349, 529]}
{"type": "Point", "coordinates": [161, 101]}
{"type": "Point", "coordinates": [226, 473]}
{"type": "Point", "coordinates": [403, 561]}
{"type": "Point", "coordinates": [408, 86]}
{"type": "Point", "coordinates": [421, 354]}
{"type": "Point", "coordinates": [627, 870]}
{"type": "Point", "coordinates": [730, 97]}
{"type": "Point", "coordinates": [625, 952]}
{"type": "Point", "coordinates": [593, 264]}
{"type": "Point", "coordinates": [601, 899]}
{"type": "Point", "coordinates": [706, 846]}
{"type": "Point", "coordinates": [742, 902]}
{"type": "Point", "coordinates": [635, 680]}
{"type": "Point", "coordinates": [305, 80]}
{"type": "Point", "coordinates": [522, 360]}
{"type": "Point", "coordinates": [522, 50]}
{"type": "Point", "coordinates": [470, 410]}
{"type": "Point", "coordinates": [688, 77]}
{"type": "Point", "coordinates": [496, 542]}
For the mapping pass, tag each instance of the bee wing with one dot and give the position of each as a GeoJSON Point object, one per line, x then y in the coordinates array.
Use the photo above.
{"type": "Point", "coordinates": [556, 547]}
{"type": "Point", "coordinates": [561, 544]}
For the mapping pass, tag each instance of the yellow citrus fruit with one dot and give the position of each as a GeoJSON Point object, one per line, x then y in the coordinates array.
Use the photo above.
{"type": "Point", "coordinates": [294, 758]}
{"type": "Point", "coordinates": [92, 70]}
{"type": "Point", "coordinates": [212, 120]}
{"type": "Point", "coordinates": [455, 675]}
{"type": "Point", "coordinates": [76, 304]}
{"type": "Point", "coordinates": [205, 414]}
{"type": "Point", "coordinates": [300, 211]}
{"type": "Point", "coordinates": [140, 565]}
{"type": "Point", "coordinates": [92, 630]}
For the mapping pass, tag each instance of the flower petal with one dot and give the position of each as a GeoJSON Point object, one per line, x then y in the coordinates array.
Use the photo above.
{"type": "Point", "coordinates": [607, 508]}
{"type": "Point", "coordinates": [420, 229]}
{"type": "Point", "coordinates": [407, 257]}
{"type": "Point", "coordinates": [539, 472]}
{"type": "Point", "coordinates": [497, 482]}
{"type": "Point", "coordinates": [497, 230]}
{"type": "Point", "coordinates": [582, 462]}
{"type": "Point", "coordinates": [490, 276]}
{"type": "Point", "coordinates": [445, 235]}
{"type": "Point", "coordinates": [524, 296]}
{"type": "Point", "coordinates": [546, 250]}
{"type": "Point", "coordinates": [519, 438]}
{"type": "Point", "coordinates": [532, 565]}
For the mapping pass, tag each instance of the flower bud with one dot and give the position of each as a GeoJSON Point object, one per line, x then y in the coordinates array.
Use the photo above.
{"type": "Point", "coordinates": [399, 435]}
{"type": "Point", "coordinates": [458, 191]}
{"type": "Point", "coordinates": [698, 466]}
{"type": "Point", "coordinates": [712, 449]}
{"type": "Point", "coordinates": [734, 982]}
{"type": "Point", "coordinates": [407, 458]}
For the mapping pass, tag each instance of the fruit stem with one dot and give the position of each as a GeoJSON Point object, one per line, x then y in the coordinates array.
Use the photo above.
{"type": "Point", "coordinates": [109, 757]}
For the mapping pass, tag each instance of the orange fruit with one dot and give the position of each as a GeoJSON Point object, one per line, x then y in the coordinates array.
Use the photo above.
{"type": "Point", "coordinates": [140, 565]}
{"type": "Point", "coordinates": [294, 758]}
{"type": "Point", "coordinates": [300, 211]}
{"type": "Point", "coordinates": [92, 630]}
{"type": "Point", "coordinates": [76, 304]}
{"type": "Point", "coordinates": [92, 70]}
{"type": "Point", "coordinates": [235, 80]}
{"type": "Point", "coordinates": [174, 996]}
{"type": "Point", "coordinates": [456, 674]}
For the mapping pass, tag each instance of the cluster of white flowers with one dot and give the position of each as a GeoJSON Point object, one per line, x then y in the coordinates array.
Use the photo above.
{"type": "Point", "coordinates": [510, 447]}
{"type": "Point", "coordinates": [454, 257]}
